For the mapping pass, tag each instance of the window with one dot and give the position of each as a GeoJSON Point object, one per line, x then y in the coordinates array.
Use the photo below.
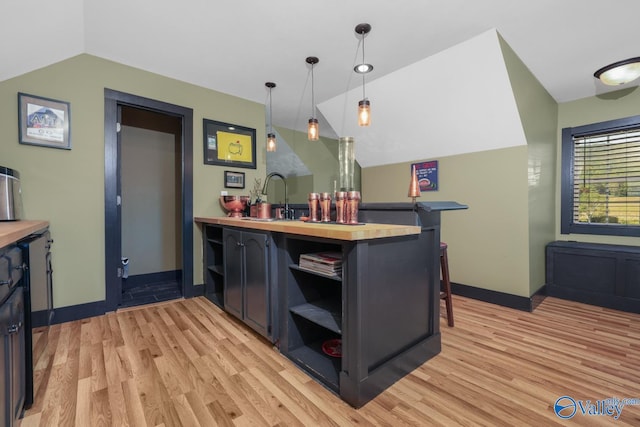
{"type": "Point", "coordinates": [601, 178]}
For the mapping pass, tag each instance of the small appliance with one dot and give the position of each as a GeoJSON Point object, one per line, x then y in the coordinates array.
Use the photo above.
{"type": "Point", "coordinates": [10, 195]}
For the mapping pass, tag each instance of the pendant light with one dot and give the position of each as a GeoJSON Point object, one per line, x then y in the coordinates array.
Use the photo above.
{"type": "Point", "coordinates": [620, 72]}
{"type": "Point", "coordinates": [313, 131]}
{"type": "Point", "coordinates": [364, 106]}
{"type": "Point", "coordinates": [271, 137]}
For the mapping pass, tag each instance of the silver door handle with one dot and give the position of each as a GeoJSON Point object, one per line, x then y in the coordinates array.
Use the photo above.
{"type": "Point", "coordinates": [14, 328]}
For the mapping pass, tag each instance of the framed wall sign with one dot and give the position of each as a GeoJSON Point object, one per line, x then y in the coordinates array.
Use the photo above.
{"type": "Point", "coordinates": [44, 121]}
{"type": "Point", "coordinates": [427, 173]}
{"type": "Point", "coordinates": [229, 145]}
{"type": "Point", "coordinates": [233, 179]}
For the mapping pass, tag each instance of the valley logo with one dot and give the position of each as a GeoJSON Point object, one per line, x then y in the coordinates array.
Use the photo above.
{"type": "Point", "coordinates": [566, 407]}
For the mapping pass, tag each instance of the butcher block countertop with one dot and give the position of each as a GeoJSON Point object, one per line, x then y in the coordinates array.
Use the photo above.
{"type": "Point", "coordinates": [324, 230]}
{"type": "Point", "coordinates": [12, 231]}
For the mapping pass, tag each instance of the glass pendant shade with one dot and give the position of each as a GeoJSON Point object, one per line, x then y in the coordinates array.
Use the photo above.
{"type": "Point", "coordinates": [619, 72]}
{"type": "Point", "coordinates": [271, 141]}
{"type": "Point", "coordinates": [271, 137]}
{"type": "Point", "coordinates": [364, 113]}
{"type": "Point", "coordinates": [313, 132]}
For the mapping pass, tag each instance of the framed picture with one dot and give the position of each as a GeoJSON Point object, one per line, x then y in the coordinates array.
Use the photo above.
{"type": "Point", "coordinates": [229, 145]}
{"type": "Point", "coordinates": [44, 121]}
{"type": "Point", "coordinates": [233, 179]}
{"type": "Point", "coordinates": [427, 173]}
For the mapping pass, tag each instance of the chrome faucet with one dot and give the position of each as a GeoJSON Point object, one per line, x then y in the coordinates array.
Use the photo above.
{"type": "Point", "coordinates": [287, 213]}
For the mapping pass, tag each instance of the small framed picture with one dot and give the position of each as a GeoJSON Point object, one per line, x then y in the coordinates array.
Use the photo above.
{"type": "Point", "coordinates": [44, 121]}
{"type": "Point", "coordinates": [427, 173]}
{"type": "Point", "coordinates": [233, 179]}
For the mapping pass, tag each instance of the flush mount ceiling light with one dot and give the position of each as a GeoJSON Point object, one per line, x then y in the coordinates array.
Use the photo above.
{"type": "Point", "coordinates": [620, 72]}
{"type": "Point", "coordinates": [313, 131]}
{"type": "Point", "coordinates": [364, 106]}
{"type": "Point", "coordinates": [271, 137]}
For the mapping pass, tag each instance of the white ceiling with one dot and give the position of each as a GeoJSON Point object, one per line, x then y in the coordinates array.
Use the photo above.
{"type": "Point", "coordinates": [237, 46]}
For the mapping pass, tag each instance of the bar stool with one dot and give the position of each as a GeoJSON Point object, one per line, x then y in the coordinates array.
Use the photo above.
{"type": "Point", "coordinates": [445, 293]}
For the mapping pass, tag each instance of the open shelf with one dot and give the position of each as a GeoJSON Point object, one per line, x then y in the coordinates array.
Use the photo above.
{"type": "Point", "coordinates": [213, 267]}
{"type": "Point", "coordinates": [322, 366]}
{"type": "Point", "coordinates": [326, 313]}
{"type": "Point", "coordinates": [216, 298]}
{"type": "Point", "coordinates": [218, 269]}
{"type": "Point", "coordinates": [317, 273]}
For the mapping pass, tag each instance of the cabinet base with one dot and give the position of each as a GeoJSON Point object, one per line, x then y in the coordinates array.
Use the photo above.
{"type": "Point", "coordinates": [357, 393]}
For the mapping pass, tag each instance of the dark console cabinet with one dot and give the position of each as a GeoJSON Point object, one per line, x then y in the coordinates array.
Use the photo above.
{"type": "Point", "coordinates": [382, 307]}
{"type": "Point", "coordinates": [594, 273]}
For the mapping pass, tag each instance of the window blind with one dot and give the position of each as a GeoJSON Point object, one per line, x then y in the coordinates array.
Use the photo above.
{"type": "Point", "coordinates": [606, 178]}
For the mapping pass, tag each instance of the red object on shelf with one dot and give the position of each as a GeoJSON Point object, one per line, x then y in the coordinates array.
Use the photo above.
{"type": "Point", "coordinates": [333, 347]}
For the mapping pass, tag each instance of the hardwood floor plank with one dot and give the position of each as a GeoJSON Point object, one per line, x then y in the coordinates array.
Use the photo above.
{"type": "Point", "coordinates": [244, 399]}
{"type": "Point", "coordinates": [133, 405]}
{"type": "Point", "coordinates": [188, 363]}
{"type": "Point", "coordinates": [100, 409]}
{"type": "Point", "coordinates": [201, 411]}
{"type": "Point", "coordinates": [83, 399]}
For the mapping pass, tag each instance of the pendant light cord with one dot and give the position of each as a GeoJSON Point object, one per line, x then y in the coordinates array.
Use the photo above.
{"type": "Point", "coordinates": [270, 113]}
{"type": "Point", "coordinates": [363, 95]}
{"type": "Point", "coordinates": [313, 98]}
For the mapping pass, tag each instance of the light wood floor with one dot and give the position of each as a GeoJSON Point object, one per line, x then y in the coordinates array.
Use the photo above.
{"type": "Point", "coordinates": [187, 363]}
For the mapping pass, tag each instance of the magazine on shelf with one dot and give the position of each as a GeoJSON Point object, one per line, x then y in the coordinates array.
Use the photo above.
{"type": "Point", "coordinates": [323, 262]}
{"type": "Point", "coordinates": [329, 258]}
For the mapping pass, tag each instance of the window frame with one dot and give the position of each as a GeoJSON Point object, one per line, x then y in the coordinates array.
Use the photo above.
{"type": "Point", "coordinates": [567, 226]}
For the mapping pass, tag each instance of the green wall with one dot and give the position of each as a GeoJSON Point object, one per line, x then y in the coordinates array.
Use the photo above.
{"type": "Point", "coordinates": [67, 187]}
{"type": "Point", "coordinates": [488, 245]}
{"type": "Point", "coordinates": [539, 117]}
{"type": "Point", "coordinates": [611, 106]}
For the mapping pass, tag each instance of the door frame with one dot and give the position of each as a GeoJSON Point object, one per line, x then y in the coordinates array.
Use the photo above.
{"type": "Point", "coordinates": [112, 223]}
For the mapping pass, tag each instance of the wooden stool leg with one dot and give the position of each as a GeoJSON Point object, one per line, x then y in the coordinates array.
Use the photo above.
{"type": "Point", "coordinates": [444, 266]}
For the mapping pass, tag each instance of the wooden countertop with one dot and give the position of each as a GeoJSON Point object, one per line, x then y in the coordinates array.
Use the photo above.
{"type": "Point", "coordinates": [12, 231]}
{"type": "Point", "coordinates": [328, 231]}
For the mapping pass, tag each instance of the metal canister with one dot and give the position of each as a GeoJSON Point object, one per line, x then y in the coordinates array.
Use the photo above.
{"type": "Point", "coordinates": [314, 201]}
{"type": "Point", "coordinates": [353, 200]}
{"type": "Point", "coordinates": [341, 205]}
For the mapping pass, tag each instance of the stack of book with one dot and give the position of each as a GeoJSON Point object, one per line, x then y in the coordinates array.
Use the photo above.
{"type": "Point", "coordinates": [329, 263]}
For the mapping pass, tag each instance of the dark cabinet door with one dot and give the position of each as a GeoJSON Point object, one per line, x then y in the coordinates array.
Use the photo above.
{"type": "Point", "coordinates": [233, 271]}
{"type": "Point", "coordinates": [246, 278]}
{"type": "Point", "coordinates": [256, 299]}
{"type": "Point", "coordinates": [12, 350]}
{"type": "Point", "coordinates": [18, 351]}
{"type": "Point", "coordinates": [6, 364]}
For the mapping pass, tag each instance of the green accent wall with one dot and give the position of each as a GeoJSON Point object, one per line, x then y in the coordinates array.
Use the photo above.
{"type": "Point", "coordinates": [488, 245]}
{"type": "Point", "coordinates": [67, 187]}
{"type": "Point", "coordinates": [538, 114]}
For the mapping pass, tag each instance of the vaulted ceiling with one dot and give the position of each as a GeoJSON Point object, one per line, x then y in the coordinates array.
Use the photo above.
{"type": "Point", "coordinates": [235, 47]}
